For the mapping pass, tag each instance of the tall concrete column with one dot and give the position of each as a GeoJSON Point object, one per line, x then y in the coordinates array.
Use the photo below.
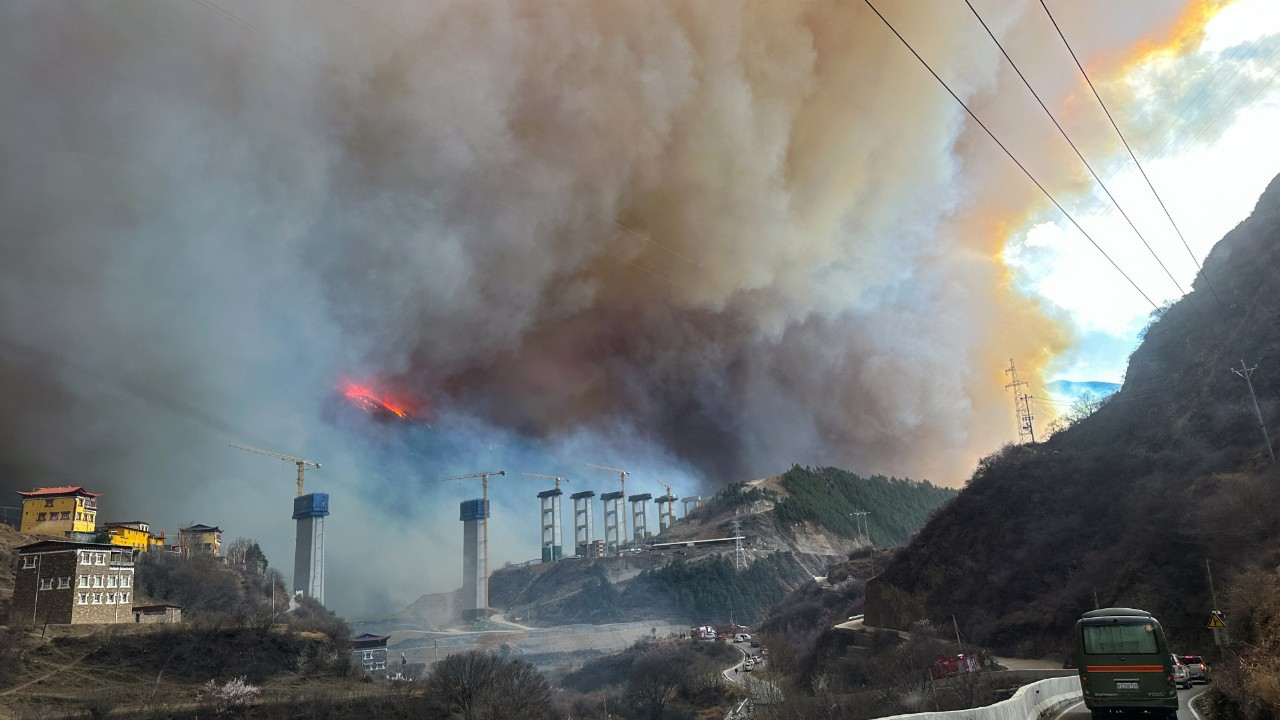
{"type": "Point", "coordinates": [640, 515]}
{"type": "Point", "coordinates": [694, 500]}
{"type": "Point", "coordinates": [475, 586]}
{"type": "Point", "coordinates": [308, 546]}
{"type": "Point", "coordinates": [552, 549]}
{"type": "Point", "coordinates": [612, 510]}
{"type": "Point", "coordinates": [666, 512]}
{"type": "Point", "coordinates": [583, 532]}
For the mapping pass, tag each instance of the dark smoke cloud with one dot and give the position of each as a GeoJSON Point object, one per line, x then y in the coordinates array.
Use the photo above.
{"type": "Point", "coordinates": [703, 240]}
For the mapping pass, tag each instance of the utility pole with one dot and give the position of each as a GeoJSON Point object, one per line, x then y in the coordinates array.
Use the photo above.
{"type": "Point", "coordinates": [739, 555]}
{"type": "Point", "coordinates": [860, 523]}
{"type": "Point", "coordinates": [1021, 406]}
{"type": "Point", "coordinates": [1246, 372]}
{"type": "Point", "coordinates": [1213, 595]}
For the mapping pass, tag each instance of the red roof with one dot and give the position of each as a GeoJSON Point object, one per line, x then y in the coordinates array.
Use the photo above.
{"type": "Point", "coordinates": [64, 490]}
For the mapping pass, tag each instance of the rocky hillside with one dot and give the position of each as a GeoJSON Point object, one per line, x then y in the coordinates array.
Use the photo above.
{"type": "Point", "coordinates": [1126, 506]}
{"type": "Point", "coordinates": [794, 525]}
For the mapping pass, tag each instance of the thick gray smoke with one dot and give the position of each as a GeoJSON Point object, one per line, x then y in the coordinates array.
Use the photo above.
{"type": "Point", "coordinates": [703, 240]}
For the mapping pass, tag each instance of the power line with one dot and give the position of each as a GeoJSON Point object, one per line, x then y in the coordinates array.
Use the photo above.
{"type": "Point", "coordinates": [1010, 154]}
{"type": "Point", "coordinates": [1131, 153]}
{"type": "Point", "coordinates": [1089, 167]}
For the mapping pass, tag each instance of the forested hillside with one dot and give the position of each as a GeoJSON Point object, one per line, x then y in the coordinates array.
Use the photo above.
{"type": "Point", "coordinates": [1127, 505]}
{"type": "Point", "coordinates": [828, 496]}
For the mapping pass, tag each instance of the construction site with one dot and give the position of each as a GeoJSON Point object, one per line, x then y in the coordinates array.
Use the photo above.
{"type": "Point", "coordinates": [549, 608]}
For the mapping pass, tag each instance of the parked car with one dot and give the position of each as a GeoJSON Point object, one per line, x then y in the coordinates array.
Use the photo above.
{"type": "Point", "coordinates": [1181, 673]}
{"type": "Point", "coordinates": [1196, 665]}
{"type": "Point", "coordinates": [741, 637]}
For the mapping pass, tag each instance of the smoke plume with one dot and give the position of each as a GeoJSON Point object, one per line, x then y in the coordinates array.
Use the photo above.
{"type": "Point", "coordinates": [707, 240]}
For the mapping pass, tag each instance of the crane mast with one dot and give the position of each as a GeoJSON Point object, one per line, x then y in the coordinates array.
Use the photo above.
{"type": "Point", "coordinates": [300, 462]}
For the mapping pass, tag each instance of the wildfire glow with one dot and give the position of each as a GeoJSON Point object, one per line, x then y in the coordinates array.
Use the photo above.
{"type": "Point", "coordinates": [369, 400]}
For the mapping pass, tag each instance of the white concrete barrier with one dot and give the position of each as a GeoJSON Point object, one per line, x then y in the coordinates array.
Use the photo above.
{"type": "Point", "coordinates": [1026, 704]}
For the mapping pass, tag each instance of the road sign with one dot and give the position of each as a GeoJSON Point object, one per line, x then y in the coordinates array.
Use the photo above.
{"type": "Point", "coordinates": [1216, 621]}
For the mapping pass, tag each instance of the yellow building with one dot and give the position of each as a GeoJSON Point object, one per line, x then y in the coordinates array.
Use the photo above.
{"type": "Point", "coordinates": [200, 539]}
{"type": "Point", "coordinates": [134, 534]}
{"type": "Point", "coordinates": [59, 511]}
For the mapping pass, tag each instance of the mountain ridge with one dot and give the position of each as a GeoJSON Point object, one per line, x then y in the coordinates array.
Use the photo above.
{"type": "Point", "coordinates": [1166, 479]}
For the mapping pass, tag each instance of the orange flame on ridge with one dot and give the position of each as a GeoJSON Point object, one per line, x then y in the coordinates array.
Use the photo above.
{"type": "Point", "coordinates": [371, 401]}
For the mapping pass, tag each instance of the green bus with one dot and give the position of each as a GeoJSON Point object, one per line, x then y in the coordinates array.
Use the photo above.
{"type": "Point", "coordinates": [1125, 664]}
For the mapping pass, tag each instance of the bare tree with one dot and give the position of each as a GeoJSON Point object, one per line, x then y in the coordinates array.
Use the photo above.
{"type": "Point", "coordinates": [519, 692]}
{"type": "Point", "coordinates": [465, 680]}
{"type": "Point", "coordinates": [655, 677]}
{"type": "Point", "coordinates": [902, 676]}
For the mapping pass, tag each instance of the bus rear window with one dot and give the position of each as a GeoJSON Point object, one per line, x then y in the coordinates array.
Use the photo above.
{"type": "Point", "coordinates": [1120, 639]}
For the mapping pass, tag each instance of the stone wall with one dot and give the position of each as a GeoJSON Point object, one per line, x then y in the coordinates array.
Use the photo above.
{"type": "Point", "coordinates": [33, 606]}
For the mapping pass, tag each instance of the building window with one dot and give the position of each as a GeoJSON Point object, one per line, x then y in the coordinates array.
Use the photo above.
{"type": "Point", "coordinates": [40, 517]}
{"type": "Point", "coordinates": [64, 583]}
{"type": "Point", "coordinates": [97, 598]}
{"type": "Point", "coordinates": [124, 597]}
{"type": "Point", "coordinates": [84, 557]}
{"type": "Point", "coordinates": [83, 598]}
{"type": "Point", "coordinates": [111, 598]}
{"type": "Point", "coordinates": [124, 581]}
{"type": "Point", "coordinates": [28, 562]}
{"type": "Point", "coordinates": [99, 558]}
{"type": "Point", "coordinates": [111, 581]}
{"type": "Point", "coordinates": [46, 583]}
{"type": "Point", "coordinates": [83, 581]}
{"type": "Point", "coordinates": [66, 514]}
{"type": "Point", "coordinates": [97, 581]}
{"type": "Point", "coordinates": [48, 503]}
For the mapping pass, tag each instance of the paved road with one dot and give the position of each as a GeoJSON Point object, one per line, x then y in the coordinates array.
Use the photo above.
{"type": "Point", "coordinates": [737, 674]}
{"type": "Point", "coordinates": [1078, 711]}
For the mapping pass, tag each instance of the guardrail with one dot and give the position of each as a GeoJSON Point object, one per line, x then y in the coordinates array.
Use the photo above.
{"type": "Point", "coordinates": [1028, 703]}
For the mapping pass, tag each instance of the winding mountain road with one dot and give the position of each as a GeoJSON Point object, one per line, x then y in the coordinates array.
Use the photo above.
{"type": "Point", "coordinates": [1185, 712]}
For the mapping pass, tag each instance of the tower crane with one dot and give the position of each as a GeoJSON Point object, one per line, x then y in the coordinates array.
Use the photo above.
{"type": "Point", "coordinates": [622, 479]}
{"type": "Point", "coordinates": [556, 478]}
{"type": "Point", "coordinates": [666, 507]}
{"type": "Point", "coordinates": [667, 487]}
{"type": "Point", "coordinates": [484, 522]}
{"type": "Point", "coordinates": [300, 462]}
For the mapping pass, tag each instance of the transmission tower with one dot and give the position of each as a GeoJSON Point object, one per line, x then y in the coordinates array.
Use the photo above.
{"type": "Point", "coordinates": [739, 555]}
{"type": "Point", "coordinates": [1021, 405]}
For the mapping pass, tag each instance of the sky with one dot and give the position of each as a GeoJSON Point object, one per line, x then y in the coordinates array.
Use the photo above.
{"type": "Point", "coordinates": [1203, 123]}
{"type": "Point", "coordinates": [702, 242]}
